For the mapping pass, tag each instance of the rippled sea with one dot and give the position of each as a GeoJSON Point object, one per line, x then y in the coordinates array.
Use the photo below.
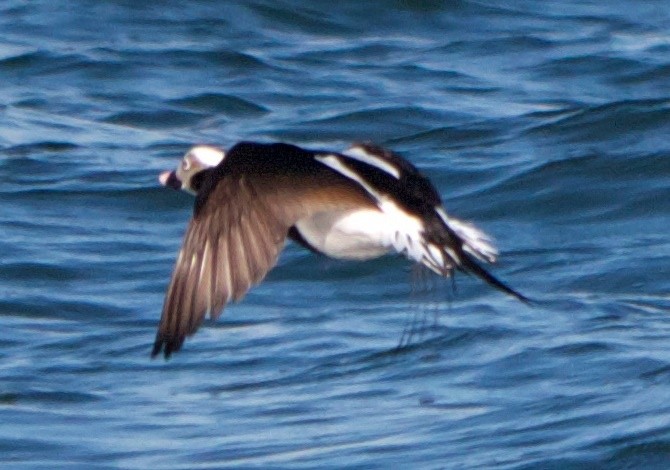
{"type": "Point", "coordinates": [546, 123]}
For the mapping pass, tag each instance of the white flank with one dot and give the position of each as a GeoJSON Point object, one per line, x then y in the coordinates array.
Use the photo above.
{"type": "Point", "coordinates": [475, 241]}
{"type": "Point", "coordinates": [366, 233]}
{"type": "Point", "coordinates": [358, 234]}
{"type": "Point", "coordinates": [207, 155]}
{"type": "Point", "coordinates": [362, 155]}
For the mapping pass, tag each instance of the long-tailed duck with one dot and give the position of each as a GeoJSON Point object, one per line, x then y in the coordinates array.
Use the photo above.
{"type": "Point", "coordinates": [359, 204]}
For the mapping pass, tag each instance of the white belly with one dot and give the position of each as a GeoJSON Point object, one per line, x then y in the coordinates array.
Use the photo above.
{"type": "Point", "coordinates": [356, 234]}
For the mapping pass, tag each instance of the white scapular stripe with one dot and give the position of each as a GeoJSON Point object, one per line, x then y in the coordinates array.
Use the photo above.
{"type": "Point", "coordinates": [475, 241]}
{"type": "Point", "coordinates": [336, 164]}
{"type": "Point", "coordinates": [359, 153]}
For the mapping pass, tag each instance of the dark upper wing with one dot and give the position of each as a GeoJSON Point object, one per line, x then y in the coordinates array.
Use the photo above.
{"type": "Point", "coordinates": [236, 234]}
{"type": "Point", "coordinates": [405, 184]}
{"type": "Point", "coordinates": [224, 253]}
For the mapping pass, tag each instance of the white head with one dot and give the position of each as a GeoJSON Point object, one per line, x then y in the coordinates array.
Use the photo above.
{"type": "Point", "coordinates": [199, 158]}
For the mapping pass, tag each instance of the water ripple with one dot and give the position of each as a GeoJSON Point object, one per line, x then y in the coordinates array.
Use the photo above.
{"type": "Point", "coordinates": [544, 123]}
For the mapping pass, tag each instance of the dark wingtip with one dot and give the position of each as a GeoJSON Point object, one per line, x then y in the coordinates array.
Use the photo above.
{"type": "Point", "coordinates": [158, 347]}
{"type": "Point", "coordinates": [166, 345]}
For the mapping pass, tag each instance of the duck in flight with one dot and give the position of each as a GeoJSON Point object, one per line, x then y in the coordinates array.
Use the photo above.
{"type": "Point", "coordinates": [359, 204]}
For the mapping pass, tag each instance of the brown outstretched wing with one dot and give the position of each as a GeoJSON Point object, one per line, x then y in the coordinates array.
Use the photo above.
{"type": "Point", "coordinates": [235, 238]}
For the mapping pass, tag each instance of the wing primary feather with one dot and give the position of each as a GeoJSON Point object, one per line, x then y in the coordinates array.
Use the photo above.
{"type": "Point", "coordinates": [256, 248]}
{"type": "Point", "coordinates": [170, 329]}
{"type": "Point", "coordinates": [226, 273]}
{"type": "Point", "coordinates": [196, 307]}
{"type": "Point", "coordinates": [214, 269]}
{"type": "Point", "coordinates": [239, 268]}
{"type": "Point", "coordinates": [205, 278]}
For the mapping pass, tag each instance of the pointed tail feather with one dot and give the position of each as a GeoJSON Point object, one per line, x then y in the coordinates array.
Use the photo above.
{"type": "Point", "coordinates": [470, 265]}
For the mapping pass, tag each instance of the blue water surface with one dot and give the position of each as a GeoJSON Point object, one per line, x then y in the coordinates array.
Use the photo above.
{"type": "Point", "coordinates": [546, 123]}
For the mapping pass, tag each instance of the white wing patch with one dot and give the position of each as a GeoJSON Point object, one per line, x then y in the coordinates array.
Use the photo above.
{"type": "Point", "coordinates": [475, 241]}
{"type": "Point", "coordinates": [359, 153]}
